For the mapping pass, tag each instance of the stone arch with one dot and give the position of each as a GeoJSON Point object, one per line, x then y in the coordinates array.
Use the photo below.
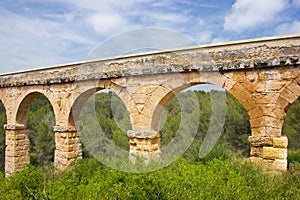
{"type": "Point", "coordinates": [79, 103]}
{"type": "Point", "coordinates": [78, 108]}
{"type": "Point", "coordinates": [171, 87]}
{"type": "Point", "coordinates": [288, 96]}
{"type": "Point", "coordinates": [159, 108]}
{"type": "Point", "coordinates": [23, 108]}
{"type": "Point", "coordinates": [86, 93]}
{"type": "Point", "coordinates": [175, 85]}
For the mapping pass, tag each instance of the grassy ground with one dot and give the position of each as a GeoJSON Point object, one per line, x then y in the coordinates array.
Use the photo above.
{"type": "Point", "coordinates": [215, 179]}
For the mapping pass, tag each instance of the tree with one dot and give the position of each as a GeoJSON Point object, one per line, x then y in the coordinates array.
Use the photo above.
{"type": "Point", "coordinates": [40, 121]}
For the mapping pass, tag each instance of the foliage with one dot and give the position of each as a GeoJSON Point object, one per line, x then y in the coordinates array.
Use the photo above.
{"type": "Point", "coordinates": [104, 116]}
{"type": "Point", "coordinates": [219, 175]}
{"type": "Point", "coordinates": [89, 179]}
{"type": "Point", "coordinates": [291, 126]}
{"type": "Point", "coordinates": [40, 121]}
{"type": "Point", "coordinates": [235, 132]}
{"type": "Point", "coordinates": [294, 156]}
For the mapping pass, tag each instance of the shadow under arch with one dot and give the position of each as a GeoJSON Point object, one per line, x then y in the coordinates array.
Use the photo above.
{"type": "Point", "coordinates": [3, 121]}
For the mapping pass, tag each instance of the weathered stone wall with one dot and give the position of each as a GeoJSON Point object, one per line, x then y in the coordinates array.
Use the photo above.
{"type": "Point", "coordinates": [249, 54]}
{"type": "Point", "coordinates": [17, 148]}
{"type": "Point", "coordinates": [263, 75]}
{"type": "Point", "coordinates": [269, 152]}
{"type": "Point", "coordinates": [68, 147]}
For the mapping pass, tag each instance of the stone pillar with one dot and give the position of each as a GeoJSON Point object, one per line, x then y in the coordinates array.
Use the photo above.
{"type": "Point", "coordinates": [17, 148]}
{"type": "Point", "coordinates": [269, 152]}
{"type": "Point", "coordinates": [68, 146]}
{"type": "Point", "coordinates": [145, 144]}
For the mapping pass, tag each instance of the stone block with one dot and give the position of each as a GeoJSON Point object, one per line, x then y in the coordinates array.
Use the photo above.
{"type": "Point", "coordinates": [280, 142]}
{"type": "Point", "coordinates": [255, 112]}
{"type": "Point", "coordinates": [256, 152]}
{"type": "Point", "coordinates": [266, 98]}
{"type": "Point", "coordinates": [273, 131]}
{"type": "Point", "coordinates": [258, 122]}
{"type": "Point", "coordinates": [240, 92]}
{"type": "Point", "coordinates": [274, 85]}
{"type": "Point", "coordinates": [257, 131]}
{"type": "Point", "coordinates": [260, 141]}
{"type": "Point", "coordinates": [267, 121]}
{"type": "Point", "coordinates": [274, 153]}
{"type": "Point", "coordinates": [14, 127]}
{"type": "Point", "coordinates": [282, 103]}
{"type": "Point", "coordinates": [270, 165]}
{"type": "Point", "coordinates": [269, 75]}
{"type": "Point", "coordinates": [295, 88]}
{"type": "Point", "coordinates": [249, 105]}
{"type": "Point", "coordinates": [288, 95]}
{"type": "Point", "coordinates": [143, 134]}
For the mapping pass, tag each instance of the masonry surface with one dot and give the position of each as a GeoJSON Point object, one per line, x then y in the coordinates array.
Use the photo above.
{"type": "Point", "coordinates": [262, 74]}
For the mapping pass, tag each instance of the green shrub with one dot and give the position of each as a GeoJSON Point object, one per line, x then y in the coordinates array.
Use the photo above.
{"type": "Point", "coordinates": [294, 156]}
{"type": "Point", "coordinates": [214, 179]}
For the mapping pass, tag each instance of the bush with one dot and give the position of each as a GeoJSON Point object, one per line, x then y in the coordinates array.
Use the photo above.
{"type": "Point", "coordinates": [294, 156]}
{"type": "Point", "coordinates": [89, 179]}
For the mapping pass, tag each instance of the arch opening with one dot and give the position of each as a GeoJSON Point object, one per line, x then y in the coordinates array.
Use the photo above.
{"type": "Point", "coordinates": [234, 134]}
{"type": "Point", "coordinates": [103, 120]}
{"type": "Point", "coordinates": [2, 135]}
{"type": "Point", "coordinates": [291, 129]}
{"type": "Point", "coordinates": [36, 112]}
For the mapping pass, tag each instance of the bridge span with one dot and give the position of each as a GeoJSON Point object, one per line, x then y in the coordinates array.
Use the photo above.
{"type": "Point", "coordinates": [262, 74]}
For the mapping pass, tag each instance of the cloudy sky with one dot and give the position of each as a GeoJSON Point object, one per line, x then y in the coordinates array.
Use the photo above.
{"type": "Point", "coordinates": [40, 33]}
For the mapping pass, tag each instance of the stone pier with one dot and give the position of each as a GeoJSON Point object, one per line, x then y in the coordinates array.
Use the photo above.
{"type": "Point", "coordinates": [145, 144]}
{"type": "Point", "coordinates": [68, 147]}
{"type": "Point", "coordinates": [269, 152]}
{"type": "Point", "coordinates": [17, 148]}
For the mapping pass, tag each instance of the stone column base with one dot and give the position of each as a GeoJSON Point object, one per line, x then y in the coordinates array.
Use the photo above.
{"type": "Point", "coordinates": [145, 144]}
{"type": "Point", "coordinates": [269, 152]}
{"type": "Point", "coordinates": [68, 147]}
{"type": "Point", "coordinates": [17, 148]}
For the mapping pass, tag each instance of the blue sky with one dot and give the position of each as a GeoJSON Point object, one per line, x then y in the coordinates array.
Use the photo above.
{"type": "Point", "coordinates": [40, 33]}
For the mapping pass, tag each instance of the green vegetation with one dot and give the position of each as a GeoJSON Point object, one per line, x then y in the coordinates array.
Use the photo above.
{"type": "Point", "coordinates": [222, 174]}
{"type": "Point", "coordinates": [291, 128]}
{"type": "Point", "coordinates": [89, 179]}
{"type": "Point", "coordinates": [40, 122]}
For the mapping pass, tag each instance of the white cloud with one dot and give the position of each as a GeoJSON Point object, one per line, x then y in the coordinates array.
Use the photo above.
{"type": "Point", "coordinates": [163, 19]}
{"type": "Point", "coordinates": [106, 23]}
{"type": "Point", "coordinates": [204, 37]}
{"type": "Point", "coordinates": [29, 42]}
{"type": "Point", "coordinates": [288, 28]}
{"type": "Point", "coordinates": [247, 14]}
{"type": "Point", "coordinates": [201, 22]}
{"type": "Point", "coordinates": [35, 33]}
{"type": "Point", "coordinates": [140, 40]}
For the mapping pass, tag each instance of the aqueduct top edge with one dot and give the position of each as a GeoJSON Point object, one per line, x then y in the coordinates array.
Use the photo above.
{"type": "Point", "coordinates": [253, 53]}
